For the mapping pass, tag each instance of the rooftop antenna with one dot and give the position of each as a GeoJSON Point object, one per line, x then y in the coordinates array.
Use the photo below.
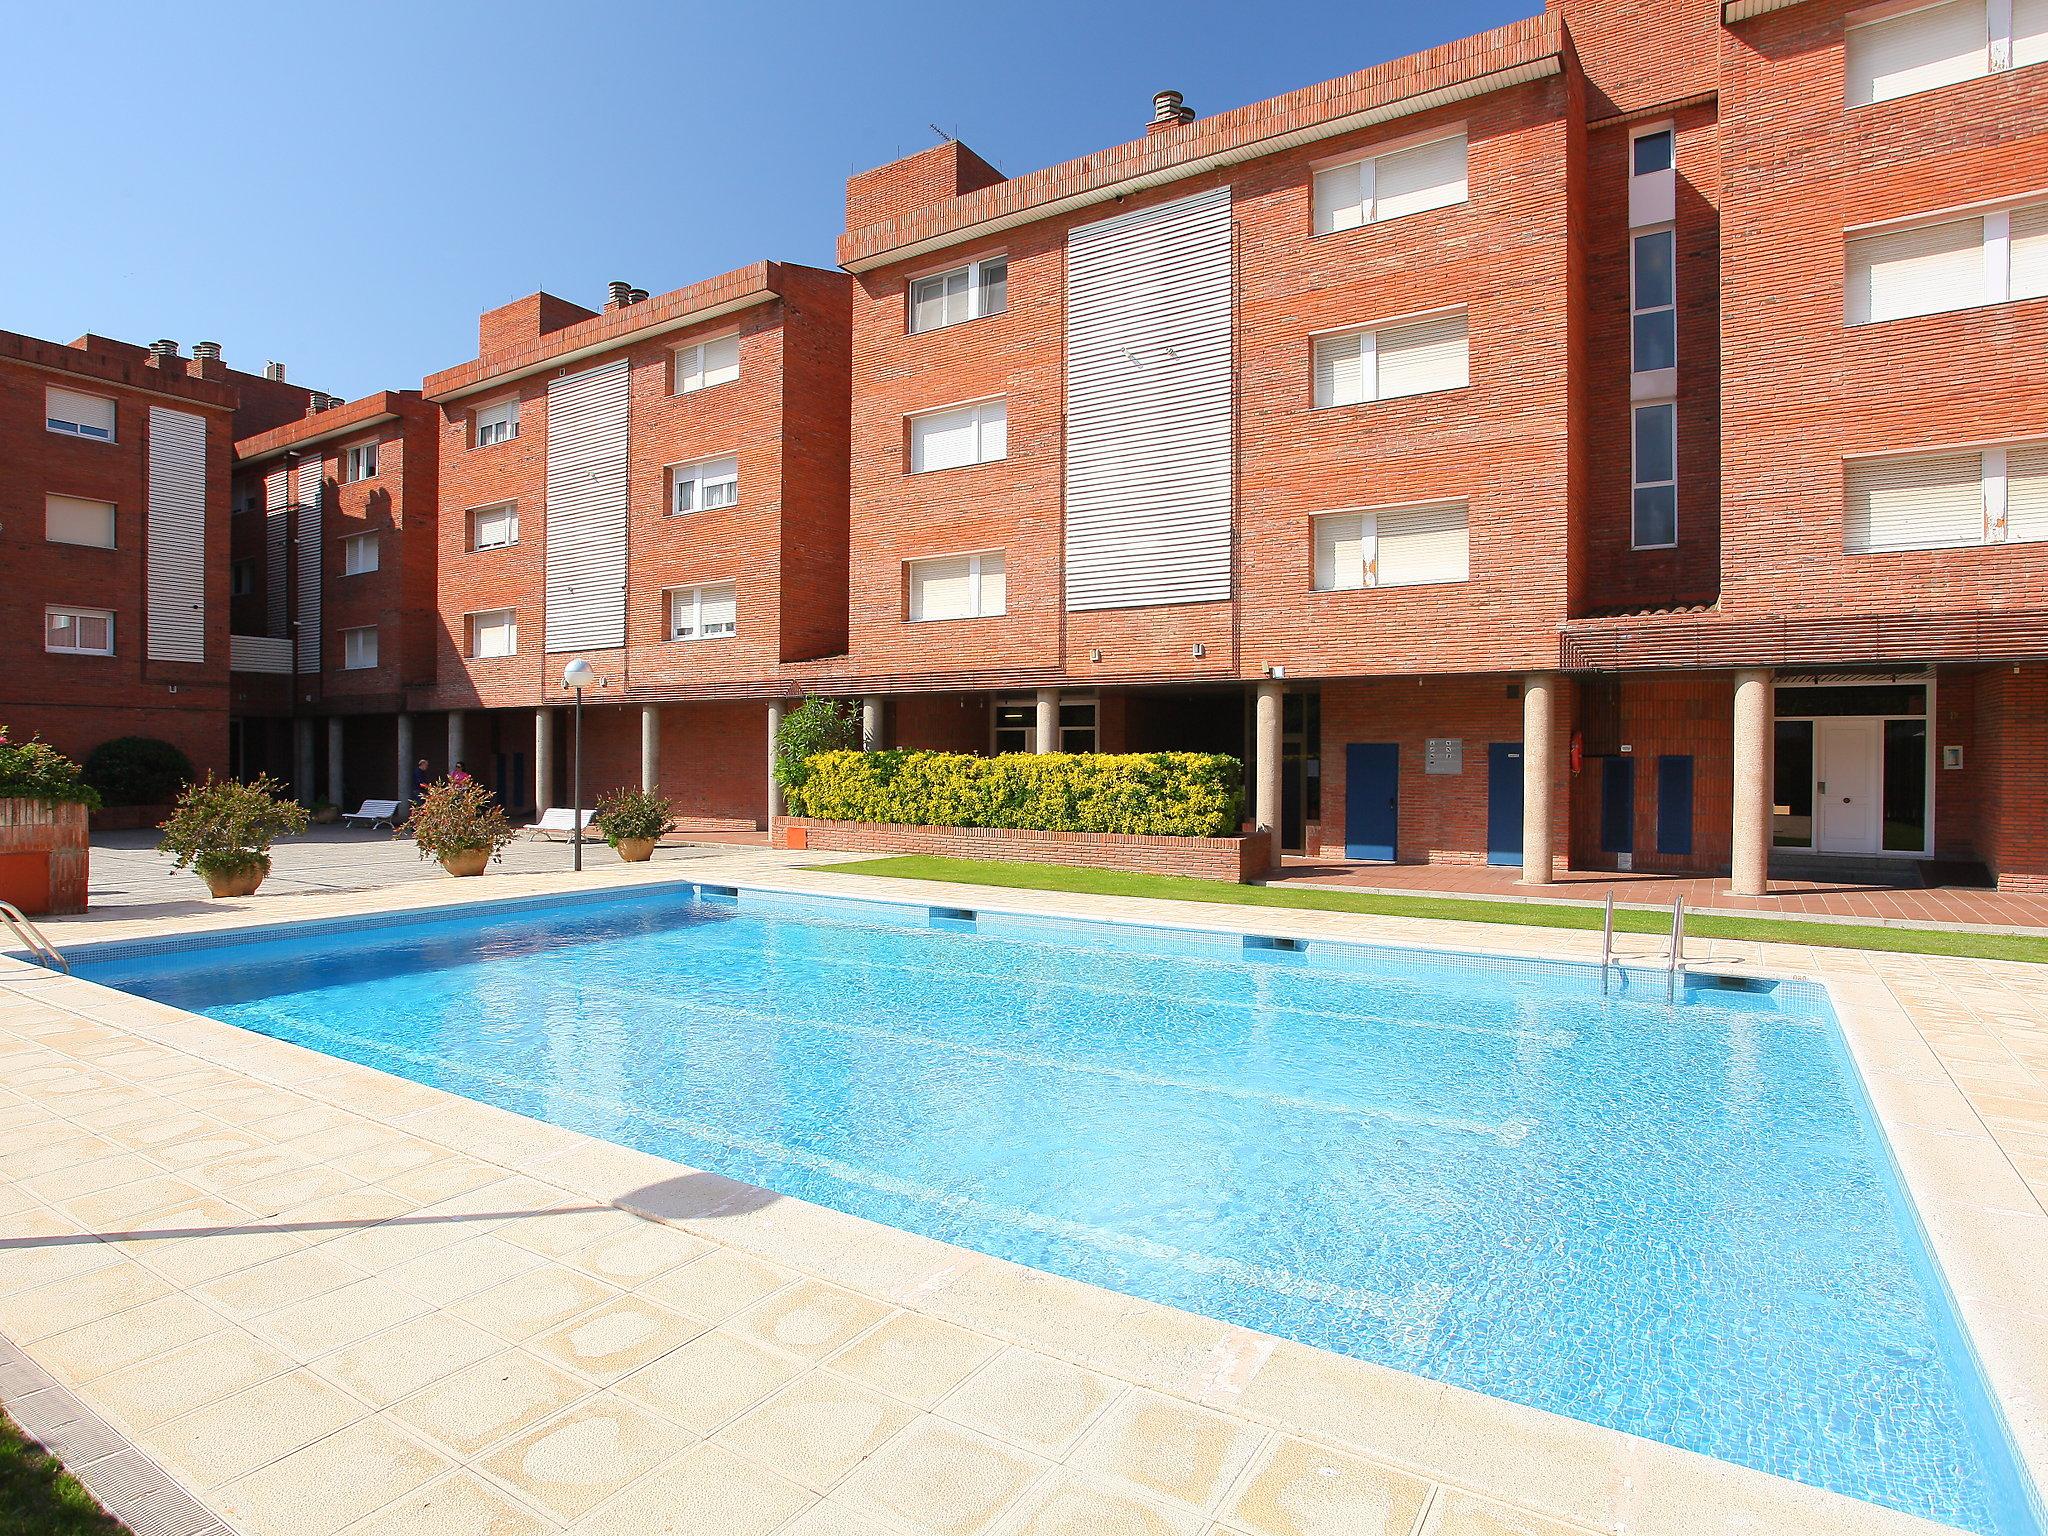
{"type": "Point", "coordinates": [944, 136]}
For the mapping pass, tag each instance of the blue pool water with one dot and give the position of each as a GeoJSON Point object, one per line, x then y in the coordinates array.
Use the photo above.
{"type": "Point", "coordinates": [1679, 1221]}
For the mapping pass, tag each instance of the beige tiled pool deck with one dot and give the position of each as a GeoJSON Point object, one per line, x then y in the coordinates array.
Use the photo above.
{"type": "Point", "coordinates": [327, 1299]}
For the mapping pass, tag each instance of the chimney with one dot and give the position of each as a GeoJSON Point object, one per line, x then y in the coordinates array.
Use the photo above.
{"type": "Point", "coordinates": [274, 372]}
{"type": "Point", "coordinates": [163, 350]}
{"type": "Point", "coordinates": [639, 296]}
{"type": "Point", "coordinates": [206, 351]}
{"type": "Point", "coordinates": [1167, 112]}
{"type": "Point", "coordinates": [618, 294]}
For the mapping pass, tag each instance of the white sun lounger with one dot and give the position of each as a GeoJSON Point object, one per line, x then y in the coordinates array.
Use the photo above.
{"type": "Point", "coordinates": [373, 813]}
{"type": "Point", "coordinates": [558, 821]}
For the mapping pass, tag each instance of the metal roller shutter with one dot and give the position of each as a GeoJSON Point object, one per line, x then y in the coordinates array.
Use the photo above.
{"type": "Point", "coordinates": [1930, 502]}
{"type": "Point", "coordinates": [312, 499]}
{"type": "Point", "coordinates": [276, 548]}
{"type": "Point", "coordinates": [176, 564]}
{"type": "Point", "coordinates": [586, 510]}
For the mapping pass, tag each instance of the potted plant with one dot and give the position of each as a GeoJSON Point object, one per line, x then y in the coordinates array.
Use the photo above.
{"type": "Point", "coordinates": [459, 822]}
{"type": "Point", "coordinates": [224, 829]}
{"type": "Point", "coordinates": [633, 821]}
{"type": "Point", "coordinates": [44, 806]}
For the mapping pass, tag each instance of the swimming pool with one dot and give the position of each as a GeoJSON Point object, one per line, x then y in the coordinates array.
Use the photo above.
{"type": "Point", "coordinates": [1678, 1221]}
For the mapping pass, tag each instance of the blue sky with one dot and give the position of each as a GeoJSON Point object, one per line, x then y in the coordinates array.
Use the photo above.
{"type": "Point", "coordinates": [345, 187]}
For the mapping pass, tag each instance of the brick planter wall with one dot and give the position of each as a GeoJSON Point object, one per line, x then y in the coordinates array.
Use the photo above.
{"type": "Point", "coordinates": [44, 853]}
{"type": "Point", "coordinates": [1208, 858]}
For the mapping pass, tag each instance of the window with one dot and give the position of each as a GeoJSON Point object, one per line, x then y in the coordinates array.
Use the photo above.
{"type": "Point", "coordinates": [1077, 725]}
{"type": "Point", "coordinates": [1652, 177]}
{"type": "Point", "coordinates": [359, 648]}
{"type": "Point", "coordinates": [971, 434]}
{"type": "Point", "coordinates": [1942, 44]}
{"type": "Point", "coordinates": [1653, 302]}
{"type": "Point", "coordinates": [497, 423]}
{"type": "Point", "coordinates": [242, 578]}
{"type": "Point", "coordinates": [494, 633]}
{"type": "Point", "coordinates": [965, 293]}
{"type": "Point", "coordinates": [1948, 500]}
{"type": "Point", "coordinates": [705, 485]}
{"type": "Point", "coordinates": [1984, 259]}
{"type": "Point", "coordinates": [74, 520]}
{"type": "Point", "coordinates": [79, 631]}
{"type": "Point", "coordinates": [1414, 357]}
{"type": "Point", "coordinates": [1389, 186]}
{"type": "Point", "coordinates": [1013, 725]}
{"type": "Point", "coordinates": [1650, 152]}
{"type": "Point", "coordinates": [494, 527]}
{"type": "Point", "coordinates": [359, 554]}
{"type": "Point", "coordinates": [91, 416]}
{"type": "Point", "coordinates": [957, 587]}
{"type": "Point", "coordinates": [1392, 547]}
{"type": "Point", "coordinates": [702, 613]}
{"type": "Point", "coordinates": [1653, 511]}
{"type": "Point", "coordinates": [360, 462]}
{"type": "Point", "coordinates": [707, 363]}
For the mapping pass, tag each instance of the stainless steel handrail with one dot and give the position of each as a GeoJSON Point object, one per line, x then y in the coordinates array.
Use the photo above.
{"type": "Point", "coordinates": [1677, 955]}
{"type": "Point", "coordinates": [44, 952]}
{"type": "Point", "coordinates": [1606, 942]}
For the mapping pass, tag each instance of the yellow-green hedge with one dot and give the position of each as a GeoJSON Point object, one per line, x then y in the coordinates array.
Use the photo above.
{"type": "Point", "coordinates": [1166, 794]}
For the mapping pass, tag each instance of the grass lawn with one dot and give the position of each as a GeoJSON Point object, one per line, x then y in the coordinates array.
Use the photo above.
{"type": "Point", "coordinates": [39, 1498]}
{"type": "Point", "coordinates": [1523, 914]}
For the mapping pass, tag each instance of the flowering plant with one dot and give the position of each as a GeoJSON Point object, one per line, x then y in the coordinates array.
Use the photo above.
{"type": "Point", "coordinates": [35, 770]}
{"type": "Point", "coordinates": [457, 815]}
{"type": "Point", "coordinates": [633, 814]}
{"type": "Point", "coordinates": [224, 827]}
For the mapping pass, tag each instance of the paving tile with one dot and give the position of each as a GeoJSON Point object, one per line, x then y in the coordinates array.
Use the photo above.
{"type": "Point", "coordinates": [528, 1304]}
{"type": "Point", "coordinates": [461, 1504]}
{"type": "Point", "coordinates": [462, 1269]}
{"type": "Point", "coordinates": [718, 1285]}
{"type": "Point", "coordinates": [635, 1256]}
{"type": "Point", "coordinates": [1168, 1449]}
{"type": "Point", "coordinates": [298, 1276]}
{"type": "Point", "coordinates": [817, 1429]}
{"type": "Point", "coordinates": [400, 1361]}
{"type": "Point", "coordinates": [1299, 1489]}
{"type": "Point", "coordinates": [235, 1436]}
{"type": "Point", "coordinates": [913, 1357]}
{"type": "Point", "coordinates": [616, 1338]}
{"type": "Point", "coordinates": [443, 1180]}
{"type": "Point", "coordinates": [330, 1483]}
{"type": "Point", "coordinates": [937, 1480]}
{"type": "Point", "coordinates": [1065, 1504]}
{"type": "Point", "coordinates": [205, 1371]}
{"type": "Point", "coordinates": [706, 1489]}
{"type": "Point", "coordinates": [490, 1401]}
{"type": "Point", "coordinates": [1465, 1514]}
{"type": "Point", "coordinates": [809, 1318]}
{"type": "Point", "coordinates": [85, 1353]}
{"type": "Point", "coordinates": [74, 1301]}
{"type": "Point", "coordinates": [311, 1328]}
{"type": "Point", "coordinates": [1032, 1401]}
{"type": "Point", "coordinates": [578, 1459]}
{"type": "Point", "coordinates": [709, 1380]}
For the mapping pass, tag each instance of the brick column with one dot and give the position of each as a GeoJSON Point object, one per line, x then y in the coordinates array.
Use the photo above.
{"type": "Point", "coordinates": [543, 760]}
{"type": "Point", "coordinates": [335, 788]}
{"type": "Point", "coordinates": [1539, 772]}
{"type": "Point", "coordinates": [1749, 862]}
{"type": "Point", "coordinates": [1047, 736]}
{"type": "Point", "coordinates": [650, 746]}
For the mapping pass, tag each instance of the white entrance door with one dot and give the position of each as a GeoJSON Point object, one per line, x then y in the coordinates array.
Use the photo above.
{"type": "Point", "coordinates": [1845, 790]}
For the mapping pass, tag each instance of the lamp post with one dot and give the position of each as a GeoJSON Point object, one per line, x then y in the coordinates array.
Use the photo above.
{"type": "Point", "coordinates": [579, 675]}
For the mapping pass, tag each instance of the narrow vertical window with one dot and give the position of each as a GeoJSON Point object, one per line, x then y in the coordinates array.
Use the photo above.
{"type": "Point", "coordinates": [1653, 302]}
{"type": "Point", "coordinates": [1654, 514]}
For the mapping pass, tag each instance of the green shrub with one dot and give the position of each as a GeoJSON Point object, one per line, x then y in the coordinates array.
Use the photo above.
{"type": "Point", "coordinates": [138, 770]}
{"type": "Point", "coordinates": [222, 827]}
{"type": "Point", "coordinates": [457, 815]}
{"type": "Point", "coordinates": [814, 726]}
{"type": "Point", "coordinates": [35, 770]}
{"type": "Point", "coordinates": [1170, 794]}
{"type": "Point", "coordinates": [633, 813]}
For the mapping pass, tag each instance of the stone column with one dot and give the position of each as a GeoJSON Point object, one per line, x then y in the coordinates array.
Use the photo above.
{"type": "Point", "coordinates": [335, 789]}
{"type": "Point", "coordinates": [1266, 759]}
{"type": "Point", "coordinates": [774, 789]}
{"type": "Point", "coordinates": [1539, 773]}
{"type": "Point", "coordinates": [302, 761]}
{"type": "Point", "coordinates": [1749, 862]}
{"type": "Point", "coordinates": [650, 746]}
{"type": "Point", "coordinates": [406, 758]}
{"type": "Point", "coordinates": [543, 759]}
{"type": "Point", "coordinates": [1046, 737]}
{"type": "Point", "coordinates": [871, 723]}
{"type": "Point", "coordinates": [457, 747]}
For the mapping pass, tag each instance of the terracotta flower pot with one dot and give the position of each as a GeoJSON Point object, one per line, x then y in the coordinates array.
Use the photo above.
{"type": "Point", "coordinates": [636, 850]}
{"type": "Point", "coordinates": [237, 882]}
{"type": "Point", "coordinates": [471, 862]}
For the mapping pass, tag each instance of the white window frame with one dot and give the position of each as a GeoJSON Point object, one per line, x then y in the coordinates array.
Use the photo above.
{"type": "Point", "coordinates": [351, 543]}
{"type": "Point", "coordinates": [504, 414]}
{"type": "Point", "coordinates": [1662, 379]}
{"type": "Point", "coordinates": [691, 473]}
{"type": "Point", "coordinates": [359, 462]}
{"type": "Point", "coordinates": [1994, 482]}
{"type": "Point", "coordinates": [693, 596]}
{"type": "Point", "coordinates": [1369, 355]}
{"type": "Point", "coordinates": [1653, 195]}
{"type": "Point", "coordinates": [1999, 39]}
{"type": "Point", "coordinates": [64, 427]}
{"type": "Point", "coordinates": [977, 293]}
{"type": "Point", "coordinates": [75, 613]}
{"type": "Point", "coordinates": [1368, 182]}
{"type": "Point", "coordinates": [974, 559]}
{"type": "Point", "coordinates": [472, 629]}
{"type": "Point", "coordinates": [1637, 483]}
{"type": "Point", "coordinates": [689, 364]}
{"type": "Point", "coordinates": [510, 508]}
{"type": "Point", "coordinates": [350, 640]}
{"type": "Point", "coordinates": [1994, 241]}
{"type": "Point", "coordinates": [982, 411]}
{"type": "Point", "coordinates": [1369, 518]}
{"type": "Point", "coordinates": [113, 522]}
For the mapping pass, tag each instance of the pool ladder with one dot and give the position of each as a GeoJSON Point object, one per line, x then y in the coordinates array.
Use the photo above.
{"type": "Point", "coordinates": [1673, 961]}
{"type": "Point", "coordinates": [40, 949]}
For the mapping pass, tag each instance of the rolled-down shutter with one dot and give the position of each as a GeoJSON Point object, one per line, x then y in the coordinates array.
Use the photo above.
{"type": "Point", "coordinates": [586, 516]}
{"type": "Point", "coordinates": [1428, 176]}
{"type": "Point", "coordinates": [2030, 249]}
{"type": "Point", "coordinates": [1419, 545]}
{"type": "Point", "coordinates": [1150, 406]}
{"type": "Point", "coordinates": [176, 564]}
{"type": "Point", "coordinates": [2026, 493]}
{"type": "Point", "coordinates": [2029, 32]}
{"type": "Point", "coordinates": [1934, 501]}
{"type": "Point", "coordinates": [1423, 355]}
{"type": "Point", "coordinates": [276, 552]}
{"type": "Point", "coordinates": [1343, 551]}
{"type": "Point", "coordinates": [94, 414]}
{"type": "Point", "coordinates": [1918, 51]}
{"type": "Point", "coordinates": [1916, 271]}
{"type": "Point", "coordinates": [311, 520]}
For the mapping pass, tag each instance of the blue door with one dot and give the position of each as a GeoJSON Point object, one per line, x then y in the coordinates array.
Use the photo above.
{"type": "Point", "coordinates": [1618, 805]}
{"type": "Point", "coordinates": [1372, 799]}
{"type": "Point", "coordinates": [1504, 803]}
{"type": "Point", "coordinates": [1674, 804]}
